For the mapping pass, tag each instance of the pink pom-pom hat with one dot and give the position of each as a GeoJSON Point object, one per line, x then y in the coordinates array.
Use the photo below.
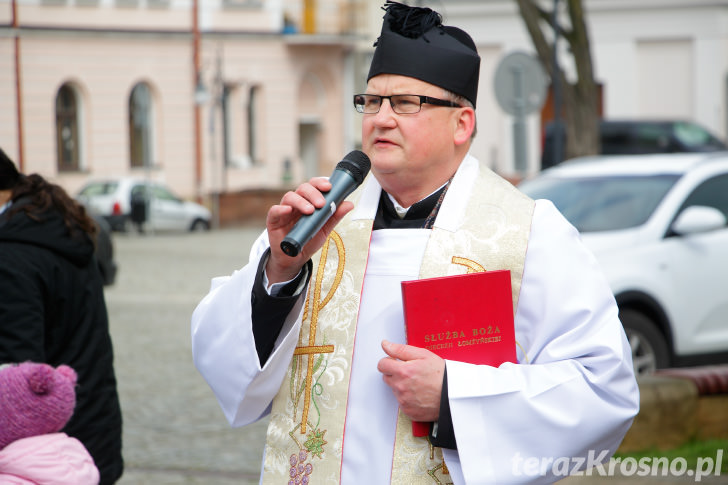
{"type": "Point", "coordinates": [35, 399]}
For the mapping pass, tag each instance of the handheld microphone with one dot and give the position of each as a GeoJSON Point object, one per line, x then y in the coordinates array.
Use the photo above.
{"type": "Point", "coordinates": [347, 176]}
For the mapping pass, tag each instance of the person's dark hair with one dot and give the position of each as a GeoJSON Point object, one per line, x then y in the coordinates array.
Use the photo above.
{"type": "Point", "coordinates": [41, 196]}
{"type": "Point", "coordinates": [9, 174]}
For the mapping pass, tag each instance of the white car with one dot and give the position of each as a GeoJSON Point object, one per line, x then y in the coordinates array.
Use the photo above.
{"type": "Point", "coordinates": [129, 201]}
{"type": "Point", "coordinates": [657, 224]}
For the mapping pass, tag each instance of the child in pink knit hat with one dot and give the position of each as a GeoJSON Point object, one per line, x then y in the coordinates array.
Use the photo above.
{"type": "Point", "coordinates": [36, 402]}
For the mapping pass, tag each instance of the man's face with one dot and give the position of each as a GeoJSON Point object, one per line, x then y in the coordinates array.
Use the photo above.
{"type": "Point", "coordinates": [409, 150]}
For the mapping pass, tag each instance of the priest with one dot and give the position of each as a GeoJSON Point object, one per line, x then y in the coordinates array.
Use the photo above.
{"type": "Point", "coordinates": [316, 341]}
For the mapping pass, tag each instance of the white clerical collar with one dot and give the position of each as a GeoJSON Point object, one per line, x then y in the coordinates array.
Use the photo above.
{"type": "Point", "coordinates": [402, 211]}
{"type": "Point", "coordinates": [4, 207]}
{"type": "Point", "coordinates": [449, 215]}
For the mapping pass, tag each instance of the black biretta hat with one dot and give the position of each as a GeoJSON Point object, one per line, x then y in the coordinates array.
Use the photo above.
{"type": "Point", "coordinates": [414, 43]}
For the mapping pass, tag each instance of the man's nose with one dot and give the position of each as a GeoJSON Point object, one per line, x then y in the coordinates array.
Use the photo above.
{"type": "Point", "coordinates": [389, 110]}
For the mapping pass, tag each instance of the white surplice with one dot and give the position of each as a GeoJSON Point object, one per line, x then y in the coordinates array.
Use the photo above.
{"type": "Point", "coordinates": [572, 396]}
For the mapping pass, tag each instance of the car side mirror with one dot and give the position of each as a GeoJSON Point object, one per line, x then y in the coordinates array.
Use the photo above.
{"type": "Point", "coordinates": [698, 218]}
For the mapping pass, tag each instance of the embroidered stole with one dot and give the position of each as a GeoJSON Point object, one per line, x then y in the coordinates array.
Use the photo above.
{"type": "Point", "coordinates": [306, 429]}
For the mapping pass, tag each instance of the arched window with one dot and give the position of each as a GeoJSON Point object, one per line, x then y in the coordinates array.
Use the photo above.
{"type": "Point", "coordinates": [140, 126]}
{"type": "Point", "coordinates": [67, 143]}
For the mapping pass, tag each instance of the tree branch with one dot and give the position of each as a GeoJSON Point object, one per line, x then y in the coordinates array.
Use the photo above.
{"type": "Point", "coordinates": [581, 98]}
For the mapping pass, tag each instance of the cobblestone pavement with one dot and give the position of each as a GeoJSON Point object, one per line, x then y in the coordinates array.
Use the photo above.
{"type": "Point", "coordinates": [174, 430]}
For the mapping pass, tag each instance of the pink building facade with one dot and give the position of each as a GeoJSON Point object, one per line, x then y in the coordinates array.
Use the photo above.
{"type": "Point", "coordinates": [261, 98]}
{"type": "Point", "coordinates": [205, 97]}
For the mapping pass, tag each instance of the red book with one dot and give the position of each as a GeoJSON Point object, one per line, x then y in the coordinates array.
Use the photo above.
{"type": "Point", "coordinates": [468, 318]}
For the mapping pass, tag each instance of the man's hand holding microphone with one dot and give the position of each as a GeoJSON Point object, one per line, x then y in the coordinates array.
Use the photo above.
{"type": "Point", "coordinates": [300, 224]}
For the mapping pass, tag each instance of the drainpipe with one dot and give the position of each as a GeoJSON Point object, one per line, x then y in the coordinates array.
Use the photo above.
{"type": "Point", "coordinates": [18, 88]}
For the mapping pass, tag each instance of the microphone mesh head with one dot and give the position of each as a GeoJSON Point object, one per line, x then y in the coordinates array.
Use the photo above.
{"type": "Point", "coordinates": [357, 163]}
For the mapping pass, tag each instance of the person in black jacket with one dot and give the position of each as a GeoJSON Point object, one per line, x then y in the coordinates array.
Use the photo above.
{"type": "Point", "coordinates": [52, 306]}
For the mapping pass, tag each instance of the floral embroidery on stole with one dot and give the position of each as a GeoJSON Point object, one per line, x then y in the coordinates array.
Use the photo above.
{"type": "Point", "coordinates": [306, 430]}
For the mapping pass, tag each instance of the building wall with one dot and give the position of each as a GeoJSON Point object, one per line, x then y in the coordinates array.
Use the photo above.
{"type": "Point", "coordinates": [654, 58]}
{"type": "Point", "coordinates": [104, 82]}
{"type": "Point", "coordinates": [8, 126]}
{"type": "Point", "coordinates": [664, 60]}
{"type": "Point", "coordinates": [104, 48]}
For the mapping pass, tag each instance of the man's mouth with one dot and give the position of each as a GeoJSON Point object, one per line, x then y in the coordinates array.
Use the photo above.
{"type": "Point", "coordinates": [383, 141]}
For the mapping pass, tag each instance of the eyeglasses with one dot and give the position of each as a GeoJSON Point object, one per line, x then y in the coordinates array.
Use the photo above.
{"type": "Point", "coordinates": [403, 104]}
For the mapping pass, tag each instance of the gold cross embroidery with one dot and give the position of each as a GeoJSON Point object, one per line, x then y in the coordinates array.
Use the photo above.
{"type": "Point", "coordinates": [316, 305]}
{"type": "Point", "coordinates": [472, 266]}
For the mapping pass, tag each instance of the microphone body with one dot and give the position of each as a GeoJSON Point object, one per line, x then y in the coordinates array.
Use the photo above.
{"type": "Point", "coordinates": [346, 177]}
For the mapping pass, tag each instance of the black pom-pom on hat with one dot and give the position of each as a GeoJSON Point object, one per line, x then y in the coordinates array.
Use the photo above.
{"type": "Point", "coordinates": [411, 22]}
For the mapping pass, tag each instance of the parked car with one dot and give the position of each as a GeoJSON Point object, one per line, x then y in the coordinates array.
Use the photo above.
{"type": "Point", "coordinates": [105, 251]}
{"type": "Point", "coordinates": [658, 226]}
{"type": "Point", "coordinates": [623, 137]}
{"type": "Point", "coordinates": [125, 202]}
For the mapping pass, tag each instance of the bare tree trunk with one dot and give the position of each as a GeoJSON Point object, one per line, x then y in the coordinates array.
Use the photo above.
{"type": "Point", "coordinates": [580, 99]}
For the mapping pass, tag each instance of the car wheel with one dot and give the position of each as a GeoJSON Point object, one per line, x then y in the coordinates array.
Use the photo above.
{"type": "Point", "coordinates": [649, 347]}
{"type": "Point", "coordinates": [200, 225]}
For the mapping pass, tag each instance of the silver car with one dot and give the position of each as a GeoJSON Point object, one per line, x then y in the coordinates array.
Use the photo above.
{"type": "Point", "coordinates": [658, 225]}
{"type": "Point", "coordinates": [129, 202]}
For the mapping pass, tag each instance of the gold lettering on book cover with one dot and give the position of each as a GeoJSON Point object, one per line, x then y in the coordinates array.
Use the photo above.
{"type": "Point", "coordinates": [493, 235]}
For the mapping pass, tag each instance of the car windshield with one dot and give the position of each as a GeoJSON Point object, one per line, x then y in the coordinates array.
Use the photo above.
{"type": "Point", "coordinates": [98, 188]}
{"type": "Point", "coordinates": [694, 136]}
{"type": "Point", "coordinates": [594, 204]}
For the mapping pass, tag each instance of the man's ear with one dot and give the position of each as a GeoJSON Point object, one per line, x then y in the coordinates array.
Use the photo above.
{"type": "Point", "coordinates": [465, 125]}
